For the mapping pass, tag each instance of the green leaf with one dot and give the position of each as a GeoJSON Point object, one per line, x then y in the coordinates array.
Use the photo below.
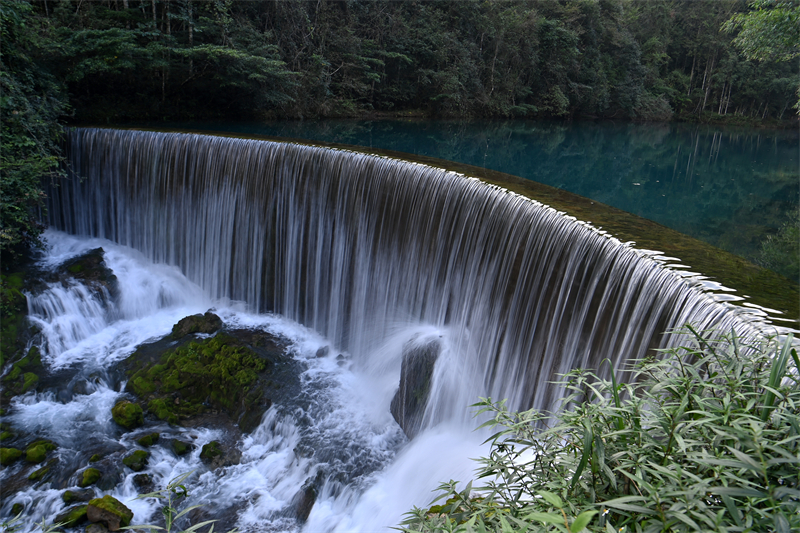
{"type": "Point", "coordinates": [548, 518]}
{"type": "Point", "coordinates": [582, 521]}
{"type": "Point", "coordinates": [551, 498]}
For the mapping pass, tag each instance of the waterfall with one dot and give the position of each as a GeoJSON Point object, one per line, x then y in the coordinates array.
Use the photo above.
{"type": "Point", "coordinates": [356, 246]}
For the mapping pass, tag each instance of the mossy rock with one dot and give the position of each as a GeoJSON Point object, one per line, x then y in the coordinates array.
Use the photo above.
{"type": "Point", "coordinates": [128, 414]}
{"type": "Point", "coordinates": [9, 455]}
{"type": "Point", "coordinates": [137, 461]}
{"type": "Point", "coordinates": [109, 511]}
{"type": "Point", "coordinates": [91, 269]}
{"type": "Point", "coordinates": [210, 451]}
{"type": "Point", "coordinates": [6, 435]}
{"type": "Point", "coordinates": [70, 496]}
{"type": "Point", "coordinates": [148, 440]}
{"type": "Point", "coordinates": [90, 477]}
{"type": "Point", "coordinates": [217, 374]}
{"type": "Point", "coordinates": [94, 458]}
{"type": "Point", "coordinates": [73, 516]}
{"type": "Point", "coordinates": [180, 447]}
{"type": "Point", "coordinates": [23, 375]}
{"type": "Point", "coordinates": [17, 509]}
{"type": "Point", "coordinates": [41, 473]}
{"type": "Point", "coordinates": [36, 451]}
{"type": "Point", "coordinates": [206, 323]}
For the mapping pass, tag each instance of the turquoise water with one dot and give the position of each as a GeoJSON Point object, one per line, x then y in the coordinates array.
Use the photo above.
{"type": "Point", "coordinates": [728, 187]}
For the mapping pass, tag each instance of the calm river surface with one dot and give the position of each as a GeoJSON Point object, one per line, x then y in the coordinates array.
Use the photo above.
{"type": "Point", "coordinates": [730, 187]}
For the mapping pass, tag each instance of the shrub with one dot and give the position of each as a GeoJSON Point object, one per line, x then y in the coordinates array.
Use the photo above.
{"type": "Point", "coordinates": [706, 438]}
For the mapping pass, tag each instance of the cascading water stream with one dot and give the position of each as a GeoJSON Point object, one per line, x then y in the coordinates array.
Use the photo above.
{"type": "Point", "coordinates": [370, 255]}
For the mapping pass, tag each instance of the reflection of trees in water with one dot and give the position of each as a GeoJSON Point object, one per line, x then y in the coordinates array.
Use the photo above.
{"type": "Point", "coordinates": [728, 187]}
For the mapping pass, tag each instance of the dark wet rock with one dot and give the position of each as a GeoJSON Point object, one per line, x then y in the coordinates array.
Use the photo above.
{"type": "Point", "coordinates": [9, 455]}
{"type": "Point", "coordinates": [128, 414]}
{"type": "Point", "coordinates": [306, 497]}
{"type": "Point", "coordinates": [408, 404]}
{"type": "Point", "coordinates": [110, 512]}
{"type": "Point", "coordinates": [148, 440]}
{"type": "Point", "coordinates": [71, 496]}
{"type": "Point", "coordinates": [137, 461]}
{"type": "Point", "coordinates": [91, 270]}
{"type": "Point", "coordinates": [96, 528]}
{"type": "Point", "coordinates": [17, 508]}
{"type": "Point", "coordinates": [72, 517]}
{"type": "Point", "coordinates": [143, 483]}
{"type": "Point", "coordinates": [180, 447]}
{"type": "Point", "coordinates": [207, 323]}
{"type": "Point", "coordinates": [323, 352]}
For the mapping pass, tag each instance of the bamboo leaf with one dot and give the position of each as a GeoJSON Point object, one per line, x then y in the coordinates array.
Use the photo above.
{"type": "Point", "coordinates": [581, 521]}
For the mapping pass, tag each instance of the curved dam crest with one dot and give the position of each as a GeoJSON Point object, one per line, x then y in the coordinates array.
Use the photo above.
{"type": "Point", "coordinates": [358, 246]}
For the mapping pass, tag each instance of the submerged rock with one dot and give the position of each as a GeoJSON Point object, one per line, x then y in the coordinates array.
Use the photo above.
{"type": "Point", "coordinates": [408, 404]}
{"type": "Point", "coordinates": [70, 496]}
{"type": "Point", "coordinates": [110, 512]}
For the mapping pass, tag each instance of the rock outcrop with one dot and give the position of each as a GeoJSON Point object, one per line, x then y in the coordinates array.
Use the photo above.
{"type": "Point", "coordinates": [408, 404]}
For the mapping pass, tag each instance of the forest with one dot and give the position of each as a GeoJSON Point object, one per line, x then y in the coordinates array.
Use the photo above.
{"type": "Point", "coordinates": [113, 61]}
{"type": "Point", "coordinates": [117, 60]}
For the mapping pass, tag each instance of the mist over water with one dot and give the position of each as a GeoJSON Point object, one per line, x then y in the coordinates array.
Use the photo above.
{"type": "Point", "coordinates": [365, 255]}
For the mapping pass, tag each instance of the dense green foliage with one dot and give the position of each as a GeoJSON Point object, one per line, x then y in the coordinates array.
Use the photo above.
{"type": "Point", "coordinates": [705, 439]}
{"type": "Point", "coordinates": [31, 102]}
{"type": "Point", "coordinates": [535, 58]}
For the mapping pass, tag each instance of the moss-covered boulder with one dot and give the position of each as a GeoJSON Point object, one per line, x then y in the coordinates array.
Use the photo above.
{"type": "Point", "coordinates": [148, 440]}
{"type": "Point", "coordinates": [211, 452]}
{"type": "Point", "coordinates": [24, 374]}
{"type": "Point", "coordinates": [72, 496]}
{"type": "Point", "coordinates": [89, 477]}
{"type": "Point", "coordinates": [206, 323]}
{"type": "Point", "coordinates": [137, 461]}
{"type": "Point", "coordinates": [215, 374]}
{"type": "Point", "coordinates": [128, 414]}
{"type": "Point", "coordinates": [17, 509]}
{"type": "Point", "coordinates": [180, 447]}
{"type": "Point", "coordinates": [9, 455]}
{"type": "Point", "coordinates": [73, 516]}
{"type": "Point", "coordinates": [110, 512]}
{"type": "Point", "coordinates": [95, 457]}
{"type": "Point", "coordinates": [36, 452]}
{"type": "Point", "coordinates": [41, 474]}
